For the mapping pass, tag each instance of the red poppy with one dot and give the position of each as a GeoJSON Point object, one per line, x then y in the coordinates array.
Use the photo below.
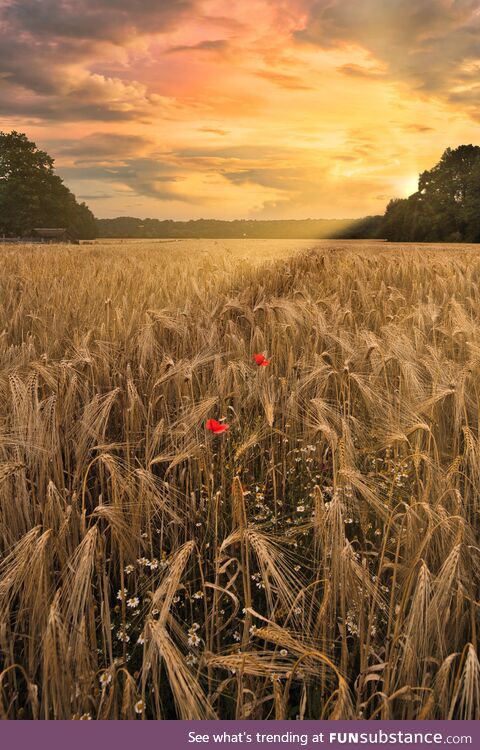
{"type": "Point", "coordinates": [261, 360]}
{"type": "Point", "coordinates": [216, 427]}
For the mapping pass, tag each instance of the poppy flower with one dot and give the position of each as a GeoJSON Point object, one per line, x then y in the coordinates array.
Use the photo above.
{"type": "Point", "coordinates": [261, 360]}
{"type": "Point", "coordinates": [216, 427]}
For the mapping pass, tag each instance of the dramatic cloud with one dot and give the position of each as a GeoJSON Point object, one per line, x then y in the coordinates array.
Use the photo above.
{"type": "Point", "coordinates": [427, 45]}
{"type": "Point", "coordinates": [85, 97]}
{"type": "Point", "coordinates": [263, 108]}
{"type": "Point", "coordinates": [208, 45]}
{"type": "Point", "coordinates": [142, 176]}
{"type": "Point", "coordinates": [50, 50]}
{"type": "Point", "coordinates": [115, 21]}
{"type": "Point", "coordinates": [105, 146]}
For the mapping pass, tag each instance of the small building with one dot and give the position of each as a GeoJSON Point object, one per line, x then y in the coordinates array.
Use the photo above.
{"type": "Point", "coordinates": [51, 236]}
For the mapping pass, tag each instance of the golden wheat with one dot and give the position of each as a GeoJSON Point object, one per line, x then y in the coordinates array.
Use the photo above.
{"type": "Point", "coordinates": [320, 559]}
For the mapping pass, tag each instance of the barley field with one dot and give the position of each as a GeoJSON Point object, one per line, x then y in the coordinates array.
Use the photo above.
{"type": "Point", "coordinates": [317, 559]}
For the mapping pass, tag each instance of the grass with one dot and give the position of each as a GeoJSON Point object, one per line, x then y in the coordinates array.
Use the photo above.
{"type": "Point", "coordinates": [318, 560]}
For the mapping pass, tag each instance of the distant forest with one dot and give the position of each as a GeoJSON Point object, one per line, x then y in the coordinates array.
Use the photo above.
{"type": "Point", "coordinates": [306, 229]}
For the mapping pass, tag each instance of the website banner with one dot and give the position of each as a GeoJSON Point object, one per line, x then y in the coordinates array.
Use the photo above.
{"type": "Point", "coordinates": [256, 735]}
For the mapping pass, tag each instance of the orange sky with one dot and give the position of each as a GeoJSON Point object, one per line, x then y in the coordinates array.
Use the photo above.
{"type": "Point", "coordinates": [267, 109]}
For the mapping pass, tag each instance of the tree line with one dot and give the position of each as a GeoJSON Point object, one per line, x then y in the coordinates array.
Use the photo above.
{"type": "Point", "coordinates": [445, 208]}
{"type": "Point", "coordinates": [298, 229]}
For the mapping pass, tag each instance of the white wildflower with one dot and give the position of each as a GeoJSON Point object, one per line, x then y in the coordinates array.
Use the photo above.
{"type": "Point", "coordinates": [105, 679]}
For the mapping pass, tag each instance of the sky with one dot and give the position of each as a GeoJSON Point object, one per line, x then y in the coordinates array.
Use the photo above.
{"type": "Point", "coordinates": [241, 109]}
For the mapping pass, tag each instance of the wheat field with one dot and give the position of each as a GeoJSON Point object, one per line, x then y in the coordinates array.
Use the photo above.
{"type": "Point", "coordinates": [320, 559]}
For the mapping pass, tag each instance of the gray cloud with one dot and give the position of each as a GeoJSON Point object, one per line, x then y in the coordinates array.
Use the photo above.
{"type": "Point", "coordinates": [425, 45]}
{"type": "Point", "coordinates": [108, 20]}
{"type": "Point", "coordinates": [279, 179]}
{"type": "Point", "coordinates": [241, 151]}
{"type": "Point", "coordinates": [81, 103]}
{"type": "Point", "coordinates": [102, 146]}
{"type": "Point", "coordinates": [46, 49]}
{"type": "Point", "coordinates": [97, 196]}
{"type": "Point", "coordinates": [142, 175]}
{"type": "Point", "coordinates": [208, 45]}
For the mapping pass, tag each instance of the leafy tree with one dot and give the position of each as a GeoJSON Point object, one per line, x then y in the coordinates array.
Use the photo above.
{"type": "Point", "coordinates": [32, 195]}
{"type": "Point", "coordinates": [446, 206]}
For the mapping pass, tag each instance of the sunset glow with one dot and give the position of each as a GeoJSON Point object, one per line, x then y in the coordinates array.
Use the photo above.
{"type": "Point", "coordinates": [268, 109]}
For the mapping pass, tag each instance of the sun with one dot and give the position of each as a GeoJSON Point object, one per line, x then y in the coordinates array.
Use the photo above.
{"type": "Point", "coordinates": [408, 185]}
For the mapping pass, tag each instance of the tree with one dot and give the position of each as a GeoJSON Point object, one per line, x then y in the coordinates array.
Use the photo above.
{"type": "Point", "coordinates": [32, 195]}
{"type": "Point", "coordinates": [446, 206]}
